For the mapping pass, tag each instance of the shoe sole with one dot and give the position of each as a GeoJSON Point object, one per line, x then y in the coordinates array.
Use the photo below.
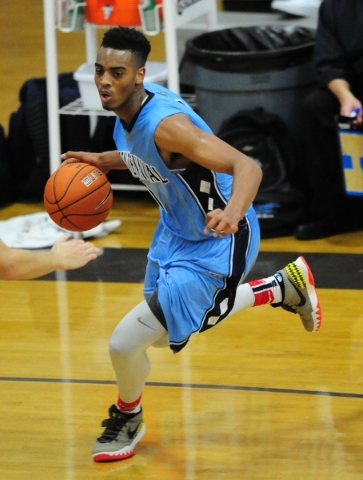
{"type": "Point", "coordinates": [313, 297]}
{"type": "Point", "coordinates": [125, 452]}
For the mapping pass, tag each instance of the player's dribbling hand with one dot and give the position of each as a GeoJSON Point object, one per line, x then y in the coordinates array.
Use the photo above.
{"type": "Point", "coordinates": [104, 161]}
{"type": "Point", "coordinates": [83, 157]}
{"type": "Point", "coordinates": [220, 223]}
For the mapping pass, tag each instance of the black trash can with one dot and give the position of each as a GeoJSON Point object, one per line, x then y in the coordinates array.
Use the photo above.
{"type": "Point", "coordinates": [248, 67]}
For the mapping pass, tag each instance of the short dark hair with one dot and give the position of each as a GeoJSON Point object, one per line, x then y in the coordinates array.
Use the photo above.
{"type": "Point", "coordinates": [123, 38]}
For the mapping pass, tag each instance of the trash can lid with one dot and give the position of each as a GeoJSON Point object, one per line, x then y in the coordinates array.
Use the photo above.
{"type": "Point", "coordinates": [255, 45]}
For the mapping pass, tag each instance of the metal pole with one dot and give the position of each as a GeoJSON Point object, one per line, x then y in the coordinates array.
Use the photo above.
{"type": "Point", "coordinates": [171, 47]}
{"type": "Point", "coordinates": [52, 84]}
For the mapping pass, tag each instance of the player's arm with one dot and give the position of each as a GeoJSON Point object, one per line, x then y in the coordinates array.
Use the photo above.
{"type": "Point", "coordinates": [21, 264]}
{"type": "Point", "coordinates": [105, 161]}
{"type": "Point", "coordinates": [179, 135]}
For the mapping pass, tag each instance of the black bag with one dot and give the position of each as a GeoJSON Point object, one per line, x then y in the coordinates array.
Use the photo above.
{"type": "Point", "coordinates": [265, 138]}
{"type": "Point", "coordinates": [28, 141]}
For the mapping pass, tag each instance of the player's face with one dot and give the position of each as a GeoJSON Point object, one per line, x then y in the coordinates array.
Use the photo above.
{"type": "Point", "coordinates": [117, 79]}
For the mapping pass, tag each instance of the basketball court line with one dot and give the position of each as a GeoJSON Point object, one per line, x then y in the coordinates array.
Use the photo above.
{"type": "Point", "coordinates": [189, 385]}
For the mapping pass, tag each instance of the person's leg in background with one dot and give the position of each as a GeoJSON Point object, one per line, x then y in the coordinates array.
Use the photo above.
{"type": "Point", "coordinates": [331, 211]}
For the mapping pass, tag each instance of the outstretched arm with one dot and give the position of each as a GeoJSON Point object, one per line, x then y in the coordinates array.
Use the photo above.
{"type": "Point", "coordinates": [20, 264]}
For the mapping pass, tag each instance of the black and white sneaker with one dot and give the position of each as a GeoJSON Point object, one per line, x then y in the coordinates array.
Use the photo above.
{"type": "Point", "coordinates": [122, 433]}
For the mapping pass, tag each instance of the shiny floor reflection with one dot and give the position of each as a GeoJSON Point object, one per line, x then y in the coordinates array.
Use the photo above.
{"type": "Point", "coordinates": [256, 398]}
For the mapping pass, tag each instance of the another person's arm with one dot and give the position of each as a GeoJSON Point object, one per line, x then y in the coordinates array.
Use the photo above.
{"type": "Point", "coordinates": [332, 58]}
{"type": "Point", "coordinates": [20, 264]}
{"type": "Point", "coordinates": [348, 102]}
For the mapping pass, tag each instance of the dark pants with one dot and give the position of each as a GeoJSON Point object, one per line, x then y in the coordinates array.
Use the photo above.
{"type": "Point", "coordinates": [322, 160]}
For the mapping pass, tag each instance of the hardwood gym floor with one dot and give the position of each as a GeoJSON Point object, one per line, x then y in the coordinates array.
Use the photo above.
{"type": "Point", "coordinates": [255, 398]}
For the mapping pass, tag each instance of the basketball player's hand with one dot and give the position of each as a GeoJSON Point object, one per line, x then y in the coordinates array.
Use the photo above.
{"type": "Point", "coordinates": [71, 254]}
{"type": "Point", "coordinates": [83, 157]}
{"type": "Point", "coordinates": [105, 161]}
{"type": "Point", "coordinates": [220, 223]}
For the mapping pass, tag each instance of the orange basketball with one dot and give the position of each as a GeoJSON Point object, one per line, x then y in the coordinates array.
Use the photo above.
{"type": "Point", "coordinates": [78, 197]}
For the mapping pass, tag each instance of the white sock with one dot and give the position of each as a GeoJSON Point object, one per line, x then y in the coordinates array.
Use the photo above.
{"type": "Point", "coordinates": [266, 290]}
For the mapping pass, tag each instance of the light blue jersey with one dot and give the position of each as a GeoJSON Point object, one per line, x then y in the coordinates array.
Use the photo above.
{"type": "Point", "coordinates": [196, 275]}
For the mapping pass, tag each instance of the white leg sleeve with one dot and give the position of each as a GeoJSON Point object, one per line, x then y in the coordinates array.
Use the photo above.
{"type": "Point", "coordinates": [128, 344]}
{"type": "Point", "coordinates": [244, 298]}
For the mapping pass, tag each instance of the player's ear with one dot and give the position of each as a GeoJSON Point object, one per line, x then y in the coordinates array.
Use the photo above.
{"type": "Point", "coordinates": [140, 75]}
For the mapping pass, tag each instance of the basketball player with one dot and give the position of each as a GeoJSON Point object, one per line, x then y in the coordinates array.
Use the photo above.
{"type": "Point", "coordinates": [20, 264]}
{"type": "Point", "coordinates": [207, 239]}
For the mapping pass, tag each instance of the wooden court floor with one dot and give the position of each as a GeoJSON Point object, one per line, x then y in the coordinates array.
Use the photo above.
{"type": "Point", "coordinates": [255, 398]}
